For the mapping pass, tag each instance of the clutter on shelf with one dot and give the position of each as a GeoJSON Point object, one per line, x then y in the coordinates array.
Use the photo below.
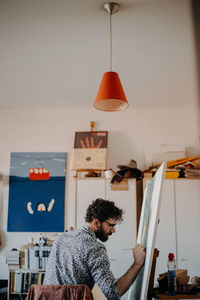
{"type": "Point", "coordinates": [182, 281]}
{"type": "Point", "coordinates": [186, 167]}
{"type": "Point", "coordinates": [129, 170]}
{"type": "Point", "coordinates": [13, 258]}
{"type": "Point", "coordinates": [31, 255]}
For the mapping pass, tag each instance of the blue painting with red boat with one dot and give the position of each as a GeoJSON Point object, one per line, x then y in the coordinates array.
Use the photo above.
{"type": "Point", "coordinates": [36, 192]}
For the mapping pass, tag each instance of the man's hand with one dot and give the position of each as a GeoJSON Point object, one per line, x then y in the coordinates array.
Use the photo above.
{"type": "Point", "coordinates": [139, 255]}
{"type": "Point", "coordinates": [124, 282]}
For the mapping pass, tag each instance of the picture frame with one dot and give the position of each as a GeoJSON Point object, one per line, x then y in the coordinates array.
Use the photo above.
{"type": "Point", "coordinates": [90, 150]}
{"type": "Point", "coordinates": [91, 139]}
{"type": "Point", "coordinates": [36, 192]}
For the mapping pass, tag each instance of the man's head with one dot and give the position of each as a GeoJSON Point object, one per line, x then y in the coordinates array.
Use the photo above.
{"type": "Point", "coordinates": [103, 215]}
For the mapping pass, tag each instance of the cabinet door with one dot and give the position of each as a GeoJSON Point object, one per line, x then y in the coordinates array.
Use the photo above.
{"type": "Point", "coordinates": [125, 235]}
{"type": "Point", "coordinates": [166, 232]}
{"type": "Point", "coordinates": [87, 190]}
{"type": "Point", "coordinates": [188, 225]}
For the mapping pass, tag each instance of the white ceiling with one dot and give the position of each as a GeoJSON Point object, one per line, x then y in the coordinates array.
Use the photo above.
{"type": "Point", "coordinates": [53, 53]}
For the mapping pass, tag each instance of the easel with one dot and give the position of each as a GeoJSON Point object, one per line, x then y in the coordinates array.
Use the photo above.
{"type": "Point", "coordinates": [98, 171]}
{"type": "Point", "coordinates": [151, 293]}
{"type": "Point", "coordinates": [152, 274]}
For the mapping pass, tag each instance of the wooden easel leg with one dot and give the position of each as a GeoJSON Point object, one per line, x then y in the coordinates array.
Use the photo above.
{"type": "Point", "coordinates": [152, 275]}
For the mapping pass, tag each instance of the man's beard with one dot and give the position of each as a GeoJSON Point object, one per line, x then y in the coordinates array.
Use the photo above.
{"type": "Point", "coordinates": [100, 234]}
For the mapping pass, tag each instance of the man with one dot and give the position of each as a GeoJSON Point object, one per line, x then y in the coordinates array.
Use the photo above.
{"type": "Point", "coordinates": [78, 258]}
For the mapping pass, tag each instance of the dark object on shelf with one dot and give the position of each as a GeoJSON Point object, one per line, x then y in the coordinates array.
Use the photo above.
{"type": "Point", "coordinates": [127, 171]}
{"type": "Point", "coordinates": [181, 172]}
{"type": "Point", "coordinates": [92, 173]}
{"type": "Point", "coordinates": [163, 283]}
{"type": "Point", "coordinates": [132, 165]}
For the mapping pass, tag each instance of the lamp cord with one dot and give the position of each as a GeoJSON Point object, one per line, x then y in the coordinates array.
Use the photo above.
{"type": "Point", "coordinates": [110, 42]}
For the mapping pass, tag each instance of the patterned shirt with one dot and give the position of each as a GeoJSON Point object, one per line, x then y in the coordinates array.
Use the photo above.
{"type": "Point", "coordinates": [78, 258]}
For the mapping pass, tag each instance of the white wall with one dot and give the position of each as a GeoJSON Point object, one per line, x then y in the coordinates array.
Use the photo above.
{"type": "Point", "coordinates": [131, 132]}
{"type": "Point", "coordinates": [50, 49]}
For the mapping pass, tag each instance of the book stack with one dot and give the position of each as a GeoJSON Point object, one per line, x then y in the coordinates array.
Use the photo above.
{"type": "Point", "coordinates": [20, 281]}
{"type": "Point", "coordinates": [192, 173]}
{"type": "Point", "coordinates": [171, 173]}
{"type": "Point", "coordinates": [13, 259]}
{"type": "Point", "coordinates": [34, 256]}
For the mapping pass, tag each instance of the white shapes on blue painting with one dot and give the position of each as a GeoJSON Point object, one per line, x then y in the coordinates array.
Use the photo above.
{"type": "Point", "coordinates": [51, 204]}
{"type": "Point", "coordinates": [40, 206]}
{"type": "Point", "coordinates": [29, 208]}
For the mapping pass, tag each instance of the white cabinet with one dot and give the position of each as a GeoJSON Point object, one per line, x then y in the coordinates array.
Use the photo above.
{"type": "Point", "coordinates": [187, 195]}
{"type": "Point", "coordinates": [86, 191]}
{"type": "Point", "coordinates": [178, 230]}
{"type": "Point", "coordinates": [166, 233]}
{"type": "Point", "coordinates": [125, 236]}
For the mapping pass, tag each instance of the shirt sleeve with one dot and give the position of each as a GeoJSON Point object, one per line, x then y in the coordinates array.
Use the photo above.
{"type": "Point", "coordinates": [99, 266]}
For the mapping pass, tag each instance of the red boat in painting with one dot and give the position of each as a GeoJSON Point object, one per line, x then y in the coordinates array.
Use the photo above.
{"type": "Point", "coordinates": [39, 174]}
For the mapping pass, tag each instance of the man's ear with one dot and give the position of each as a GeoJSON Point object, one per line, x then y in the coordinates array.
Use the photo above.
{"type": "Point", "coordinates": [96, 223]}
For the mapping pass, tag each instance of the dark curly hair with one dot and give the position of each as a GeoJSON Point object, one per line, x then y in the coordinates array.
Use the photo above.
{"type": "Point", "coordinates": [103, 210]}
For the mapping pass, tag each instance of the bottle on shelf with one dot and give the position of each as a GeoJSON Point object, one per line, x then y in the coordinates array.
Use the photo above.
{"type": "Point", "coordinates": [172, 290]}
{"type": "Point", "coordinates": [26, 257]}
{"type": "Point", "coordinates": [37, 257]}
{"type": "Point", "coordinates": [31, 246]}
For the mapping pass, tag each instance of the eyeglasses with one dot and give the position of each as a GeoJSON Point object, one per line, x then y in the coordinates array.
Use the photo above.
{"type": "Point", "coordinates": [110, 224]}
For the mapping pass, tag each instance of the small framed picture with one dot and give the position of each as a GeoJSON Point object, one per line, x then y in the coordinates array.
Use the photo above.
{"type": "Point", "coordinates": [91, 139]}
{"type": "Point", "coordinates": [90, 150]}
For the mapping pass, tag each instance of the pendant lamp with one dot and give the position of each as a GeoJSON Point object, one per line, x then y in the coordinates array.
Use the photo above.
{"type": "Point", "coordinates": [111, 96]}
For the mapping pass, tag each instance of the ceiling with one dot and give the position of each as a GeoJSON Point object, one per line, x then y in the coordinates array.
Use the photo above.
{"type": "Point", "coordinates": [53, 53]}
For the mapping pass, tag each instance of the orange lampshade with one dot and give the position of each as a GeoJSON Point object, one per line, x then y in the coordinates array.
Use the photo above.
{"type": "Point", "coordinates": [110, 96]}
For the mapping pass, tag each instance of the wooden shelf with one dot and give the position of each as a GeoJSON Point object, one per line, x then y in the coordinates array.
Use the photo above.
{"type": "Point", "coordinates": [15, 293]}
{"type": "Point", "coordinates": [27, 270]}
{"type": "Point", "coordinates": [179, 296]}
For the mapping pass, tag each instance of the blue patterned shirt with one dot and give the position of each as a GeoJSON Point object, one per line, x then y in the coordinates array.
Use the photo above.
{"type": "Point", "coordinates": [78, 258]}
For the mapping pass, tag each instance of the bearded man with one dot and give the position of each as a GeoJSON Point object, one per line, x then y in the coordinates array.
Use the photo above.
{"type": "Point", "coordinates": [77, 257]}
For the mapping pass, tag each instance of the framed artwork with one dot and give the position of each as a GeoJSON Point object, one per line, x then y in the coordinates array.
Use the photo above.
{"type": "Point", "coordinates": [36, 192]}
{"type": "Point", "coordinates": [91, 139]}
{"type": "Point", "coordinates": [90, 150]}
{"type": "Point", "coordinates": [147, 233]}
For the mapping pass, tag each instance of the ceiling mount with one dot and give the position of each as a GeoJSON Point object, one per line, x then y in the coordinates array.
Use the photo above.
{"type": "Point", "coordinates": [111, 7]}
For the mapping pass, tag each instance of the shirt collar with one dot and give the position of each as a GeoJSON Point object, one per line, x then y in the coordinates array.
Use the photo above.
{"type": "Point", "coordinates": [89, 231]}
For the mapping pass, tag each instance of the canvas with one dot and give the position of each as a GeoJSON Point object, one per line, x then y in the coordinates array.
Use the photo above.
{"type": "Point", "coordinates": [36, 192]}
{"type": "Point", "coordinates": [90, 150]}
{"type": "Point", "coordinates": [147, 233]}
{"type": "Point", "coordinates": [91, 139]}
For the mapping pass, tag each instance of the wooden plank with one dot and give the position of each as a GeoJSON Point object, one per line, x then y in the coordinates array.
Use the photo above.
{"type": "Point", "coordinates": [180, 296]}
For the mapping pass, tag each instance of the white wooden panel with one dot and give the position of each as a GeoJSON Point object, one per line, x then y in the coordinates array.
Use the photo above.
{"type": "Point", "coordinates": [125, 235]}
{"type": "Point", "coordinates": [87, 190]}
{"type": "Point", "coordinates": [166, 232]}
{"type": "Point", "coordinates": [188, 225]}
